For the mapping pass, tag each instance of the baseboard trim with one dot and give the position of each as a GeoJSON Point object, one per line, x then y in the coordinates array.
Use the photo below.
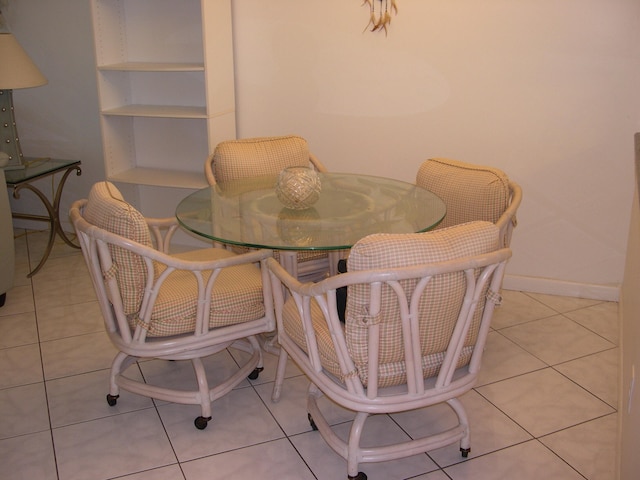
{"type": "Point", "coordinates": [550, 286]}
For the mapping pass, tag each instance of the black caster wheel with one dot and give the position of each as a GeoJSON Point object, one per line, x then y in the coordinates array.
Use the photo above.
{"type": "Point", "coordinates": [201, 422]}
{"type": "Point", "coordinates": [359, 476]}
{"type": "Point", "coordinates": [465, 452]}
{"type": "Point", "coordinates": [112, 399]}
{"type": "Point", "coordinates": [256, 371]}
{"type": "Point", "coordinates": [3, 298]}
{"type": "Point", "coordinates": [311, 422]}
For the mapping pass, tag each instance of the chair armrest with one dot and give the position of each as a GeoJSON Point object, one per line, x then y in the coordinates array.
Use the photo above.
{"type": "Point", "coordinates": [508, 221]}
{"type": "Point", "coordinates": [179, 262]}
{"type": "Point", "coordinates": [251, 257]}
{"type": "Point", "coordinates": [168, 260]}
{"type": "Point", "coordinates": [161, 222]}
{"type": "Point", "coordinates": [317, 164]}
{"type": "Point", "coordinates": [208, 170]}
{"type": "Point", "coordinates": [383, 275]}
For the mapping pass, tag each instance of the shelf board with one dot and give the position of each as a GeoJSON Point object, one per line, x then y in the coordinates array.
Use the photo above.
{"type": "Point", "coordinates": [153, 67]}
{"type": "Point", "coordinates": [161, 178]}
{"type": "Point", "coordinates": [161, 111]}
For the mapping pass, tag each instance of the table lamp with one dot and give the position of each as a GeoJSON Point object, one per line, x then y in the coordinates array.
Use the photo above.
{"type": "Point", "coordinates": [16, 71]}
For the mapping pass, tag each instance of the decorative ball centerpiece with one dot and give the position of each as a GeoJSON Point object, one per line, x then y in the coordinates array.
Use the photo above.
{"type": "Point", "coordinates": [298, 188]}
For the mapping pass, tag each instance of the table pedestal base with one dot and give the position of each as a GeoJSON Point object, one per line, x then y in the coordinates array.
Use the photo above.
{"type": "Point", "coordinates": [289, 261]}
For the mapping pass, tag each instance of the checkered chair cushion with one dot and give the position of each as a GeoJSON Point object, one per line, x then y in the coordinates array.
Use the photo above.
{"type": "Point", "coordinates": [439, 306]}
{"type": "Point", "coordinates": [254, 157]}
{"type": "Point", "coordinates": [293, 327]}
{"type": "Point", "coordinates": [107, 209]}
{"type": "Point", "coordinates": [237, 292]}
{"type": "Point", "coordinates": [470, 192]}
{"type": "Point", "coordinates": [262, 156]}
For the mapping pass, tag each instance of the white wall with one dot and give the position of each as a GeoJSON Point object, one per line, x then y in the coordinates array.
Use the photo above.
{"type": "Point", "coordinates": [545, 89]}
{"type": "Point", "coordinates": [59, 119]}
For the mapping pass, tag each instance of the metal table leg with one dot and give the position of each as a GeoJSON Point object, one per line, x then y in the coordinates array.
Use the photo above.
{"type": "Point", "coordinates": [53, 217]}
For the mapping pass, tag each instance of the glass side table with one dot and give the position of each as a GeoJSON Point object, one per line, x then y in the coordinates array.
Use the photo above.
{"type": "Point", "coordinates": [35, 169]}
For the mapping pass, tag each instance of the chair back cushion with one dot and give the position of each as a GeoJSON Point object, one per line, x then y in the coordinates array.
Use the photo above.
{"type": "Point", "coordinates": [253, 157]}
{"type": "Point", "coordinates": [470, 192]}
{"type": "Point", "coordinates": [439, 306]}
{"type": "Point", "coordinates": [107, 209]}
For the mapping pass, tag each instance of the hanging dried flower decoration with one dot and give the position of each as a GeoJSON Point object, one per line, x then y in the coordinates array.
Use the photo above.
{"type": "Point", "coordinates": [380, 14]}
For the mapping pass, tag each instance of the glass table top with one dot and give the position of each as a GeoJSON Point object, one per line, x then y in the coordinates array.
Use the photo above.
{"type": "Point", "coordinates": [35, 168]}
{"type": "Point", "coordinates": [248, 212]}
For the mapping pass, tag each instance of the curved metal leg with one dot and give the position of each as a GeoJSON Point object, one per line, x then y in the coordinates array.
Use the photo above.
{"type": "Point", "coordinates": [56, 206]}
{"type": "Point", "coordinates": [53, 217]}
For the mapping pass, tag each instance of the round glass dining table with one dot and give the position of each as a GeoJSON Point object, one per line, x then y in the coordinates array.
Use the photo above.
{"type": "Point", "coordinates": [247, 212]}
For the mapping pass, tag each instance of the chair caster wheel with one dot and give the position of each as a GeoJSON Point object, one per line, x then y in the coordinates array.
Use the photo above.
{"type": "Point", "coordinates": [201, 422]}
{"type": "Point", "coordinates": [256, 371]}
{"type": "Point", "coordinates": [359, 476]}
{"type": "Point", "coordinates": [112, 399]}
{"type": "Point", "coordinates": [312, 423]}
{"type": "Point", "coordinates": [465, 452]}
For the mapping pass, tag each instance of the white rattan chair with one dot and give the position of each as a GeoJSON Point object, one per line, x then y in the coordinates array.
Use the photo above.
{"type": "Point", "coordinates": [174, 307]}
{"type": "Point", "coordinates": [419, 307]}
{"type": "Point", "coordinates": [472, 192]}
{"type": "Point", "coordinates": [252, 157]}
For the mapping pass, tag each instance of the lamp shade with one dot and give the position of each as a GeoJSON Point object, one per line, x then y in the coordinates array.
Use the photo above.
{"type": "Point", "coordinates": [16, 68]}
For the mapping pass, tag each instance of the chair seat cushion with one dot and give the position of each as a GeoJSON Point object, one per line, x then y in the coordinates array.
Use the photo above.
{"type": "Point", "coordinates": [237, 296]}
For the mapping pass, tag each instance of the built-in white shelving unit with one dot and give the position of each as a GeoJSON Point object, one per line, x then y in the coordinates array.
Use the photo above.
{"type": "Point", "coordinates": [166, 87]}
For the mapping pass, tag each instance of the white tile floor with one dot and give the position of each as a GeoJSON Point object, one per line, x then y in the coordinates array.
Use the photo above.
{"type": "Point", "coordinates": [545, 406]}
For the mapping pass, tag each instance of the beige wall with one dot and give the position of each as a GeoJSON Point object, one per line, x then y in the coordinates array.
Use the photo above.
{"type": "Point", "coordinates": [545, 89]}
